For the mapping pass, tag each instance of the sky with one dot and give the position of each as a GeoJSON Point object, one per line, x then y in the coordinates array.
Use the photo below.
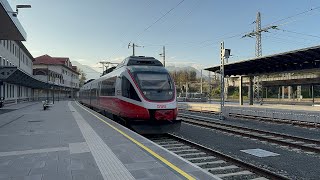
{"type": "Point", "coordinates": [191, 30]}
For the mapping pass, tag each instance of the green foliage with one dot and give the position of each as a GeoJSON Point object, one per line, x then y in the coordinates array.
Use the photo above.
{"type": "Point", "coordinates": [215, 92]}
{"type": "Point", "coordinates": [82, 78]}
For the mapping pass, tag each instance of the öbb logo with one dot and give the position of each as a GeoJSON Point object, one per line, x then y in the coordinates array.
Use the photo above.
{"type": "Point", "coordinates": [161, 106]}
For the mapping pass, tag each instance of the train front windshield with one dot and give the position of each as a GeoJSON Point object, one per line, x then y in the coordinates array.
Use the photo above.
{"type": "Point", "coordinates": [155, 86]}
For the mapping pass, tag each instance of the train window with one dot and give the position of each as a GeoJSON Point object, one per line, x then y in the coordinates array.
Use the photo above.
{"type": "Point", "coordinates": [155, 86]}
{"type": "Point", "coordinates": [128, 90]}
{"type": "Point", "coordinates": [108, 87]}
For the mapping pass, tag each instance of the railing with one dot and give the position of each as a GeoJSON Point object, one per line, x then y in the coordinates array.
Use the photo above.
{"type": "Point", "coordinates": [199, 108]}
{"type": "Point", "coordinates": [272, 114]}
{"type": "Point", "coordinates": [286, 77]}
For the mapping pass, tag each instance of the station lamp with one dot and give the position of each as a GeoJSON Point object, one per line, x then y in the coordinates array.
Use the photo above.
{"type": "Point", "coordinates": [19, 7]}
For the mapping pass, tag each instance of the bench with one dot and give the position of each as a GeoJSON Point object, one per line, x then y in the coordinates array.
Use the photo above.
{"type": "Point", "coordinates": [46, 105]}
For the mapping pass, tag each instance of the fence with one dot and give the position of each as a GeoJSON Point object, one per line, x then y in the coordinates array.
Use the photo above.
{"type": "Point", "coordinates": [273, 114]}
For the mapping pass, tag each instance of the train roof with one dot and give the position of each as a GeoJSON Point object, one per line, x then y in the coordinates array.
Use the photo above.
{"type": "Point", "coordinates": [140, 61]}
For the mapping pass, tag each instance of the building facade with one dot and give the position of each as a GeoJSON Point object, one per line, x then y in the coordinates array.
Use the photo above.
{"type": "Point", "coordinates": [14, 54]}
{"type": "Point", "coordinates": [61, 76]}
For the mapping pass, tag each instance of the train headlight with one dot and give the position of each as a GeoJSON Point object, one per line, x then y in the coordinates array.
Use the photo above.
{"type": "Point", "coordinates": [145, 92]}
{"type": "Point", "coordinates": [170, 92]}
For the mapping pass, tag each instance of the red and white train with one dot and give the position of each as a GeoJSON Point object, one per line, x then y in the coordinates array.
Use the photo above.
{"type": "Point", "coordinates": [139, 92]}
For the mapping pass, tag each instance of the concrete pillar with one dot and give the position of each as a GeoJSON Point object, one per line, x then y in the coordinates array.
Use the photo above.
{"type": "Point", "coordinates": [240, 91]}
{"type": "Point", "coordinates": [250, 92]}
{"type": "Point", "coordinates": [266, 92]}
{"type": "Point", "coordinates": [282, 92]}
{"type": "Point", "coordinates": [312, 94]}
{"type": "Point", "coordinates": [299, 92]}
{"type": "Point", "coordinates": [1, 87]}
{"type": "Point", "coordinates": [289, 92]}
{"type": "Point", "coordinates": [226, 87]}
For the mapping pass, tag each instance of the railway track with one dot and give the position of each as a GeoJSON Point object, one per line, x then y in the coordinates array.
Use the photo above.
{"type": "Point", "coordinates": [310, 145]}
{"type": "Point", "coordinates": [261, 118]}
{"type": "Point", "coordinates": [217, 163]}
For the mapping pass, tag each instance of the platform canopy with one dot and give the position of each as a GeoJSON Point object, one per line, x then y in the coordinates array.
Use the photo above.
{"type": "Point", "coordinates": [11, 28]}
{"type": "Point", "coordinates": [297, 60]}
{"type": "Point", "coordinates": [12, 74]}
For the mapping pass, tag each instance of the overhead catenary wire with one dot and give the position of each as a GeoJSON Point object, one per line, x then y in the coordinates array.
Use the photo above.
{"type": "Point", "coordinates": [148, 27]}
{"type": "Point", "coordinates": [287, 40]}
{"type": "Point", "coordinates": [294, 37]}
{"type": "Point", "coordinates": [160, 18]}
{"type": "Point", "coordinates": [280, 20]}
{"type": "Point", "coordinates": [217, 40]}
{"type": "Point", "coordinates": [294, 15]}
{"type": "Point", "coordinates": [309, 35]}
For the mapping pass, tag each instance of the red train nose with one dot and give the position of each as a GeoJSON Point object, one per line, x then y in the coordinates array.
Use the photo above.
{"type": "Point", "coordinates": [164, 115]}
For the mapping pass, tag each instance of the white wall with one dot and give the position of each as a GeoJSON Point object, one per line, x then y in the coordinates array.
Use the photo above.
{"type": "Point", "coordinates": [69, 80]}
{"type": "Point", "coordinates": [12, 55]}
{"type": "Point", "coordinates": [16, 56]}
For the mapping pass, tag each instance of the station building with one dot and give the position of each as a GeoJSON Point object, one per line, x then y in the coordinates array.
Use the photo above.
{"type": "Point", "coordinates": [23, 78]}
{"type": "Point", "coordinates": [15, 56]}
{"type": "Point", "coordinates": [61, 76]}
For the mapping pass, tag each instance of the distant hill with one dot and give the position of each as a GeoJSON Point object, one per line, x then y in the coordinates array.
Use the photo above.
{"type": "Point", "coordinates": [90, 73]}
{"type": "Point", "coordinates": [187, 68]}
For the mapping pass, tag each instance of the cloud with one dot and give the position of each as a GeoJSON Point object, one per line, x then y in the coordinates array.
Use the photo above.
{"type": "Point", "coordinates": [118, 59]}
{"type": "Point", "coordinates": [81, 60]}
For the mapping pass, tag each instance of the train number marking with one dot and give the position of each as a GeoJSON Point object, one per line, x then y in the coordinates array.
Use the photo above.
{"type": "Point", "coordinates": [161, 106]}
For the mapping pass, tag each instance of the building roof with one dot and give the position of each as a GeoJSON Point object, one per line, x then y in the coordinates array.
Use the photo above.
{"type": "Point", "coordinates": [297, 60]}
{"type": "Point", "coordinates": [48, 60]}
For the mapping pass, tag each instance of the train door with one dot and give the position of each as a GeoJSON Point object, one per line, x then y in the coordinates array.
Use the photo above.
{"type": "Point", "coordinates": [117, 87]}
{"type": "Point", "coordinates": [90, 93]}
{"type": "Point", "coordinates": [99, 94]}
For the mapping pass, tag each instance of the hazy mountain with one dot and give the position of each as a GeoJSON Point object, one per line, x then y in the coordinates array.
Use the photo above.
{"type": "Point", "coordinates": [187, 68]}
{"type": "Point", "coordinates": [90, 73]}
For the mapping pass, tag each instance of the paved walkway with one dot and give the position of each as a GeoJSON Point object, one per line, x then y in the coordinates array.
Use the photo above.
{"type": "Point", "coordinates": [69, 142]}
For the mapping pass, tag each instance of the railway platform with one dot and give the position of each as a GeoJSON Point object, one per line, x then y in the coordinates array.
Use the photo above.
{"type": "Point", "coordinates": [70, 141]}
{"type": "Point", "coordinates": [292, 113]}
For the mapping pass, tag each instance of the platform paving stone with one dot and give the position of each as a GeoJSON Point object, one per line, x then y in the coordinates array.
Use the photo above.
{"type": "Point", "coordinates": [130, 154]}
{"type": "Point", "coordinates": [49, 145]}
{"type": "Point", "coordinates": [37, 145]}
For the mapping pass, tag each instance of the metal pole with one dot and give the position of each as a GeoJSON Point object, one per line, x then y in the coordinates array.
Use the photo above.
{"type": "Point", "coordinates": [221, 80]}
{"type": "Point", "coordinates": [201, 82]}
{"type": "Point", "coordinates": [164, 56]}
{"type": "Point", "coordinates": [133, 48]}
{"type": "Point", "coordinates": [47, 83]}
{"type": "Point", "coordinates": [312, 93]}
{"type": "Point", "coordinates": [53, 94]}
{"type": "Point", "coordinates": [240, 91]}
{"type": "Point", "coordinates": [186, 91]}
{"type": "Point", "coordinates": [250, 90]}
{"type": "Point", "coordinates": [210, 90]}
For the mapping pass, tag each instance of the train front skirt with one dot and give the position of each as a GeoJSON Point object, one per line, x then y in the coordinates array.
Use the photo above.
{"type": "Point", "coordinates": [156, 127]}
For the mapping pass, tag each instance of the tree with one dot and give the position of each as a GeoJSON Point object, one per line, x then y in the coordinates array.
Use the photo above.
{"type": "Point", "coordinates": [83, 77]}
{"type": "Point", "coordinates": [193, 76]}
{"type": "Point", "coordinates": [215, 92]}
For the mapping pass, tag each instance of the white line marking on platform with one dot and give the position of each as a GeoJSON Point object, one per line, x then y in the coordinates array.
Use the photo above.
{"type": "Point", "coordinates": [76, 148]}
{"type": "Point", "coordinates": [33, 151]}
{"type": "Point", "coordinates": [109, 165]}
